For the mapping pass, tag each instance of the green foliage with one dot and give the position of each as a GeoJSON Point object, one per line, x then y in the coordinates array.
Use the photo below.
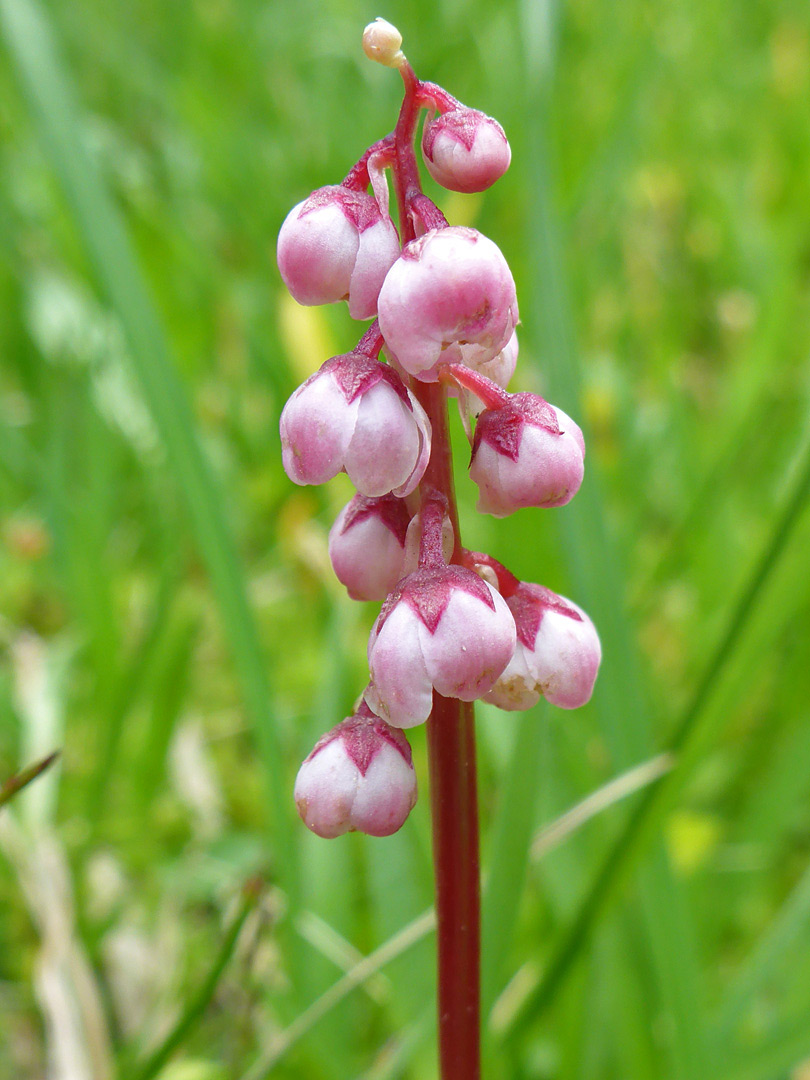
{"type": "Point", "coordinates": [169, 621]}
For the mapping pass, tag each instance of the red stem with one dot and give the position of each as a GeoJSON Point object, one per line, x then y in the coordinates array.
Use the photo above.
{"type": "Point", "coordinates": [358, 177]}
{"type": "Point", "coordinates": [371, 342]}
{"type": "Point", "coordinates": [454, 816]}
{"type": "Point", "coordinates": [406, 172]}
{"type": "Point", "coordinates": [432, 96]}
{"type": "Point", "coordinates": [492, 395]}
{"type": "Point", "coordinates": [507, 582]}
{"type": "Point", "coordinates": [450, 729]}
{"type": "Point", "coordinates": [428, 212]}
{"type": "Point", "coordinates": [434, 507]}
{"type": "Point", "coordinates": [454, 809]}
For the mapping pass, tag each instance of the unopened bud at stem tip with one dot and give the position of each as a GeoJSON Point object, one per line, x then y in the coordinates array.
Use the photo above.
{"type": "Point", "coordinates": [382, 42]}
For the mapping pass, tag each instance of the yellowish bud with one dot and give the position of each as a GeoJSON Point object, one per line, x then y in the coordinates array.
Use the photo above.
{"type": "Point", "coordinates": [382, 42]}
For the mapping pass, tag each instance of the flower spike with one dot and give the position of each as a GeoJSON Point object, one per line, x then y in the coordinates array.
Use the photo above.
{"type": "Point", "coordinates": [455, 626]}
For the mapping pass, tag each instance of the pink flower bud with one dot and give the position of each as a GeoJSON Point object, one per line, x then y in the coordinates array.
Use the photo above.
{"type": "Point", "coordinates": [526, 453]}
{"type": "Point", "coordinates": [359, 777]}
{"type": "Point", "coordinates": [449, 297]}
{"type": "Point", "coordinates": [442, 628]}
{"type": "Point", "coordinates": [355, 416]}
{"type": "Point", "coordinates": [337, 245]}
{"type": "Point", "coordinates": [557, 654]}
{"type": "Point", "coordinates": [366, 545]}
{"type": "Point", "coordinates": [465, 150]}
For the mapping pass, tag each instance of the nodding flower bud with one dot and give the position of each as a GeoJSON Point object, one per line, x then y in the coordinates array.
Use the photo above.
{"type": "Point", "coordinates": [441, 628]}
{"type": "Point", "coordinates": [337, 245]}
{"type": "Point", "coordinates": [465, 150]}
{"type": "Point", "coordinates": [557, 654]}
{"type": "Point", "coordinates": [526, 453]}
{"type": "Point", "coordinates": [355, 416]}
{"type": "Point", "coordinates": [367, 545]}
{"type": "Point", "coordinates": [382, 42]}
{"type": "Point", "coordinates": [450, 297]}
{"type": "Point", "coordinates": [358, 778]}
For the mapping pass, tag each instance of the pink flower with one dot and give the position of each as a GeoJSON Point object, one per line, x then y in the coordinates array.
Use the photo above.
{"type": "Point", "coordinates": [449, 297]}
{"type": "Point", "coordinates": [557, 654]}
{"type": "Point", "coordinates": [337, 245]}
{"type": "Point", "coordinates": [367, 545]}
{"type": "Point", "coordinates": [526, 453]}
{"type": "Point", "coordinates": [441, 629]}
{"type": "Point", "coordinates": [465, 150]}
{"type": "Point", "coordinates": [355, 416]}
{"type": "Point", "coordinates": [359, 777]}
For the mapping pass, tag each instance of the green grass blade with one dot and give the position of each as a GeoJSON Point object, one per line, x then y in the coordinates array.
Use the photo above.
{"type": "Point", "coordinates": [688, 742]}
{"type": "Point", "coordinates": [15, 456]}
{"type": "Point", "coordinates": [24, 777]}
{"type": "Point", "coordinates": [359, 974]}
{"type": "Point", "coordinates": [128, 689]}
{"type": "Point", "coordinates": [509, 842]}
{"type": "Point", "coordinates": [148, 766]}
{"type": "Point", "coordinates": [790, 923]}
{"type": "Point", "coordinates": [199, 1001]}
{"type": "Point", "coordinates": [49, 90]}
{"type": "Point", "coordinates": [397, 1053]}
{"type": "Point", "coordinates": [777, 1059]}
{"type": "Point", "coordinates": [598, 577]}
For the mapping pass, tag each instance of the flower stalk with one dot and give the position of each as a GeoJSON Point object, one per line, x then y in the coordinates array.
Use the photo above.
{"type": "Point", "coordinates": [454, 819]}
{"type": "Point", "coordinates": [454, 814]}
{"type": "Point", "coordinates": [451, 725]}
{"type": "Point", "coordinates": [455, 626]}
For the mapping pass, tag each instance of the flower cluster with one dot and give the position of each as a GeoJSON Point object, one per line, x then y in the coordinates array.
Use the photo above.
{"type": "Point", "coordinates": [453, 622]}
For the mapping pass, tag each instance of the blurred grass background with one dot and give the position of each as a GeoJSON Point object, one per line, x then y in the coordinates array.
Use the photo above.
{"type": "Point", "coordinates": [169, 619]}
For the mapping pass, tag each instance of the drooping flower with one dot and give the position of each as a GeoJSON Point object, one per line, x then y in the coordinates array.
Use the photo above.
{"type": "Point", "coordinates": [465, 150]}
{"type": "Point", "coordinates": [557, 654]}
{"type": "Point", "coordinates": [359, 777]}
{"type": "Point", "coordinates": [526, 453]}
{"type": "Point", "coordinates": [355, 415]}
{"type": "Point", "coordinates": [450, 297]}
{"type": "Point", "coordinates": [441, 628]}
{"type": "Point", "coordinates": [367, 545]}
{"type": "Point", "coordinates": [337, 245]}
